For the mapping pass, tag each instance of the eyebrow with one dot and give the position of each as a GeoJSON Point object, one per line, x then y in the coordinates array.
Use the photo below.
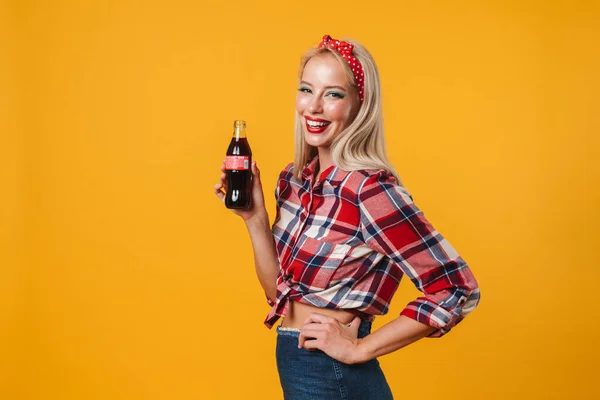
{"type": "Point", "coordinates": [326, 87]}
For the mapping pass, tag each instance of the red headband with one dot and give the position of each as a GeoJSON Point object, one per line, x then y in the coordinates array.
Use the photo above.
{"type": "Point", "coordinates": [345, 50]}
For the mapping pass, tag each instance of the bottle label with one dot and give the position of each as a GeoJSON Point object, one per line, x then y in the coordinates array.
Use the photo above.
{"type": "Point", "coordinates": [237, 162]}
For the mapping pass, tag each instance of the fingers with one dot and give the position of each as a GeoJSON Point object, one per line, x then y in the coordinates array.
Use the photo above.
{"type": "Point", "coordinates": [221, 188]}
{"type": "Point", "coordinates": [316, 317]}
{"type": "Point", "coordinates": [309, 334]}
{"type": "Point", "coordinates": [319, 326]}
{"type": "Point", "coordinates": [223, 173]}
{"type": "Point", "coordinates": [312, 345]}
{"type": "Point", "coordinates": [255, 173]}
{"type": "Point", "coordinates": [314, 324]}
{"type": "Point", "coordinates": [219, 192]}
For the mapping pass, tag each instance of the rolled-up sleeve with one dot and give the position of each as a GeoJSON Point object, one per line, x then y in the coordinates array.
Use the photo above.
{"type": "Point", "coordinates": [393, 225]}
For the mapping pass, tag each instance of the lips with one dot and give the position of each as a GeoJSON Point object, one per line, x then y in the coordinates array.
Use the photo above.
{"type": "Point", "coordinates": [316, 125]}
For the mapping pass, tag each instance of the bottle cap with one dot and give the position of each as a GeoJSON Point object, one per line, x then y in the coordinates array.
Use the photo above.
{"type": "Point", "coordinates": [239, 123]}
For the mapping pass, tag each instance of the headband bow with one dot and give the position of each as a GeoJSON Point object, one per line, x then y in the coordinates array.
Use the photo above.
{"type": "Point", "coordinates": [345, 50]}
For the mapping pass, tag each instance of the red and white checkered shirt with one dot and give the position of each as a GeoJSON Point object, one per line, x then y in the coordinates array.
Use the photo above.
{"type": "Point", "coordinates": [346, 239]}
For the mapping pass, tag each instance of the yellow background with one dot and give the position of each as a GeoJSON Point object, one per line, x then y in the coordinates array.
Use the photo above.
{"type": "Point", "coordinates": [123, 276]}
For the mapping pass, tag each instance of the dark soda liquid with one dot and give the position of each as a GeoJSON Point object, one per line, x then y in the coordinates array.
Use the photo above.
{"type": "Point", "coordinates": [239, 182]}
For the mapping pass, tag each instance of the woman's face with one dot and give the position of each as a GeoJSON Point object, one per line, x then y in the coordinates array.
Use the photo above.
{"type": "Point", "coordinates": [326, 102]}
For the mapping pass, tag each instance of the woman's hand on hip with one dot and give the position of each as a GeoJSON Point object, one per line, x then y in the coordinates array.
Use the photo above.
{"type": "Point", "coordinates": [258, 199]}
{"type": "Point", "coordinates": [337, 340]}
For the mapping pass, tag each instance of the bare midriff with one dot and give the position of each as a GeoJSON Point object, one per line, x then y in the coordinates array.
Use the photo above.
{"type": "Point", "coordinates": [299, 312]}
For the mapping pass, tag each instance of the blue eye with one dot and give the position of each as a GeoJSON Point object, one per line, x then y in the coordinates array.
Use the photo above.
{"type": "Point", "coordinates": [336, 95]}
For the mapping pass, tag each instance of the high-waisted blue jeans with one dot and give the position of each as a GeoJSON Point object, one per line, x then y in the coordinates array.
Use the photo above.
{"type": "Point", "coordinates": [313, 375]}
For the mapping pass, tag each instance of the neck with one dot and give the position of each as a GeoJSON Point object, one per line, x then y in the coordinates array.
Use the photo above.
{"type": "Point", "coordinates": [325, 160]}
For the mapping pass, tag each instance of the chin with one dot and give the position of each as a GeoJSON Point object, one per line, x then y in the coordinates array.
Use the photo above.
{"type": "Point", "coordinates": [316, 140]}
{"type": "Point", "coordinates": [317, 143]}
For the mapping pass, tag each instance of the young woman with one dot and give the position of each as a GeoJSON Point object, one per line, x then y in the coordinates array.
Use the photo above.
{"type": "Point", "coordinates": [346, 231]}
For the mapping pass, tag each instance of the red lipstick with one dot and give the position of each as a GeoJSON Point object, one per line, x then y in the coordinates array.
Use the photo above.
{"type": "Point", "coordinates": [318, 125]}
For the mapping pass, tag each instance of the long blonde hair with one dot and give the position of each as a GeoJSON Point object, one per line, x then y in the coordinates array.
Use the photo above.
{"type": "Point", "coordinates": [362, 144]}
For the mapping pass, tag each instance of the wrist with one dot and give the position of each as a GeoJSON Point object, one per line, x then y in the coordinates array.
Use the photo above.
{"type": "Point", "coordinates": [258, 218]}
{"type": "Point", "coordinates": [361, 353]}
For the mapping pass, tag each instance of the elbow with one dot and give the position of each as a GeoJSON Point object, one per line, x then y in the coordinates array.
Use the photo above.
{"type": "Point", "coordinates": [470, 302]}
{"type": "Point", "coordinates": [465, 296]}
{"type": "Point", "coordinates": [447, 313]}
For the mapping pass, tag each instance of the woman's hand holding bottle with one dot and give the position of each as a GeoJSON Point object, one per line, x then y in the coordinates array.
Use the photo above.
{"type": "Point", "coordinates": [257, 208]}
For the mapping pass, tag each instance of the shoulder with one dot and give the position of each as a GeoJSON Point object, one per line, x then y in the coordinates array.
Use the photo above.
{"type": "Point", "coordinates": [283, 179]}
{"type": "Point", "coordinates": [289, 168]}
{"type": "Point", "coordinates": [381, 183]}
{"type": "Point", "coordinates": [287, 172]}
{"type": "Point", "coordinates": [285, 175]}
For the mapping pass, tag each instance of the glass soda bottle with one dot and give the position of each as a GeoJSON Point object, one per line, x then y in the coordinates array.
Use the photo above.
{"type": "Point", "coordinates": [237, 168]}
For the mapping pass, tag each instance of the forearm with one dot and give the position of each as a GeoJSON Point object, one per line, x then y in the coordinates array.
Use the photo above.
{"type": "Point", "coordinates": [265, 255]}
{"type": "Point", "coordinates": [392, 336]}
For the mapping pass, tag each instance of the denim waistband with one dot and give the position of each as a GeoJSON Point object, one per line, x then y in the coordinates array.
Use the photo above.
{"type": "Point", "coordinates": [363, 330]}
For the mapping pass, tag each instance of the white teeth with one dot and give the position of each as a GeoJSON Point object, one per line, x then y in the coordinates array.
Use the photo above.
{"type": "Point", "coordinates": [314, 124]}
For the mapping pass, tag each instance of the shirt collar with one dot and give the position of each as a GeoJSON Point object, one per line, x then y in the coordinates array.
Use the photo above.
{"type": "Point", "coordinates": [308, 173]}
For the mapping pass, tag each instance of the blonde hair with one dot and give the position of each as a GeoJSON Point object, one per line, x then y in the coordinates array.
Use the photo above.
{"type": "Point", "coordinates": [362, 144]}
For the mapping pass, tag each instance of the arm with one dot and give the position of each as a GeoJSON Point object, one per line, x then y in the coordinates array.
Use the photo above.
{"type": "Point", "coordinates": [390, 337]}
{"type": "Point", "coordinates": [391, 224]}
{"type": "Point", "coordinates": [257, 223]}
{"type": "Point", "coordinates": [265, 256]}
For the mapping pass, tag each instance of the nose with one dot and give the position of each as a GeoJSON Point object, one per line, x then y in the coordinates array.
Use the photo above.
{"type": "Point", "coordinates": [315, 105]}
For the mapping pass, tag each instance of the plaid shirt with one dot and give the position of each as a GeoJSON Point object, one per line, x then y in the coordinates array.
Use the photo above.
{"type": "Point", "coordinates": [345, 240]}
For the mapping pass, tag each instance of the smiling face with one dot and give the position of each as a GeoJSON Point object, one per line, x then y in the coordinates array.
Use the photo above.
{"type": "Point", "coordinates": [327, 102]}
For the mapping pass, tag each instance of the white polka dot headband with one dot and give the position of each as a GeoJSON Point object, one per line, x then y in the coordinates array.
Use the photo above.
{"type": "Point", "coordinates": [345, 50]}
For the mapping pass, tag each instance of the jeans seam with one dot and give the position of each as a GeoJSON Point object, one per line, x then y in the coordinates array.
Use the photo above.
{"type": "Point", "coordinates": [338, 374]}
